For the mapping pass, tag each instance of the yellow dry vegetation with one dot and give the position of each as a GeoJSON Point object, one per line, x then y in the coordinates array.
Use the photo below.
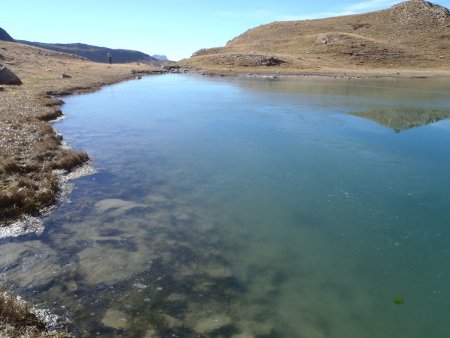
{"type": "Point", "coordinates": [411, 38]}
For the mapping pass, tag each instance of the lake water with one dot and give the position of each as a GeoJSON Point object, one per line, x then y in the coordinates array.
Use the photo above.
{"type": "Point", "coordinates": [242, 207]}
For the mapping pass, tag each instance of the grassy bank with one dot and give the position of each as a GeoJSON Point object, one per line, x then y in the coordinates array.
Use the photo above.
{"type": "Point", "coordinates": [18, 320]}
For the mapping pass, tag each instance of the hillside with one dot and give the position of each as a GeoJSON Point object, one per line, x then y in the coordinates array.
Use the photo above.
{"type": "Point", "coordinates": [93, 53]}
{"type": "Point", "coordinates": [411, 35]}
{"type": "Point", "coordinates": [98, 54]}
{"type": "Point", "coordinates": [4, 36]}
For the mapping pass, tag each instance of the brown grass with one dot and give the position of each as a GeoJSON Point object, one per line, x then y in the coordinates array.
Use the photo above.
{"type": "Point", "coordinates": [411, 38]}
{"type": "Point", "coordinates": [17, 320]}
{"type": "Point", "coordinates": [30, 150]}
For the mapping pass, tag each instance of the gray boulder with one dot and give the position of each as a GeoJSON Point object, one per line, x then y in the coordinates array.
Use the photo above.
{"type": "Point", "coordinates": [7, 77]}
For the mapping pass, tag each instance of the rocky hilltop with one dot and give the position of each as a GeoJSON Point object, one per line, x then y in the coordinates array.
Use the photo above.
{"type": "Point", "coordinates": [4, 36]}
{"type": "Point", "coordinates": [411, 35]}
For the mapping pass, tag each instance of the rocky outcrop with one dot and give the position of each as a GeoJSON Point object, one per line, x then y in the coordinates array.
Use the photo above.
{"type": "Point", "coordinates": [4, 36]}
{"type": "Point", "coordinates": [421, 6]}
{"type": "Point", "coordinates": [7, 77]}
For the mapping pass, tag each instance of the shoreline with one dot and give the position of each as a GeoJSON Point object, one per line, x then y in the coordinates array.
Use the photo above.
{"type": "Point", "coordinates": [343, 74]}
{"type": "Point", "coordinates": [33, 156]}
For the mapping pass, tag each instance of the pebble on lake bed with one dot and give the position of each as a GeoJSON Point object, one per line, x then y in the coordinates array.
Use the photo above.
{"type": "Point", "coordinates": [117, 206]}
{"type": "Point", "coordinates": [211, 324]}
{"type": "Point", "coordinates": [243, 335]}
{"type": "Point", "coordinates": [115, 319]}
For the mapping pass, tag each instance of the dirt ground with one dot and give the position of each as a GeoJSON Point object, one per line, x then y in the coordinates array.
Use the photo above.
{"type": "Point", "coordinates": [31, 154]}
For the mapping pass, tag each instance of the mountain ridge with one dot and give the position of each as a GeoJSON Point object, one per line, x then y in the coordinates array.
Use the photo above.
{"type": "Point", "coordinates": [96, 53]}
{"type": "Point", "coordinates": [91, 52]}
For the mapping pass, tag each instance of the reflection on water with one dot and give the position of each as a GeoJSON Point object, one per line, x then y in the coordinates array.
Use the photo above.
{"type": "Point", "coordinates": [403, 118]}
{"type": "Point", "coordinates": [247, 208]}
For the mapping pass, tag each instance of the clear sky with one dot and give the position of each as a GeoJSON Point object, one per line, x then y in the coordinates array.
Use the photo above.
{"type": "Point", "coordinates": [176, 28]}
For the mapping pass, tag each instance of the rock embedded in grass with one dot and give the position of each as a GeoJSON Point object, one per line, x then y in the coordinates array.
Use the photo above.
{"type": "Point", "coordinates": [7, 77]}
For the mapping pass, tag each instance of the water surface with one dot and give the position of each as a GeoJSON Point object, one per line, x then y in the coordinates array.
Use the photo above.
{"type": "Point", "coordinates": [250, 208]}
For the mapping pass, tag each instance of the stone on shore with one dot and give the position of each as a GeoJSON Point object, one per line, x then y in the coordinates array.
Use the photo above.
{"type": "Point", "coordinates": [7, 77]}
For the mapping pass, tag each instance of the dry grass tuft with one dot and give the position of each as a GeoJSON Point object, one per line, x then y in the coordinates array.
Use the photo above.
{"type": "Point", "coordinates": [21, 194]}
{"type": "Point", "coordinates": [17, 320]}
{"type": "Point", "coordinates": [71, 159]}
{"type": "Point", "coordinates": [50, 116]}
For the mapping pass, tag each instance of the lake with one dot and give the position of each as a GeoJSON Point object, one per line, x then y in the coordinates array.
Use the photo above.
{"type": "Point", "coordinates": [250, 207]}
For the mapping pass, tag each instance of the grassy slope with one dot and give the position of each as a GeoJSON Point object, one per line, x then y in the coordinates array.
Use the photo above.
{"type": "Point", "coordinates": [411, 36]}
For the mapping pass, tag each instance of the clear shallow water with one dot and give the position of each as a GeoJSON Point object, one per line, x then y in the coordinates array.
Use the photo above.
{"type": "Point", "coordinates": [250, 208]}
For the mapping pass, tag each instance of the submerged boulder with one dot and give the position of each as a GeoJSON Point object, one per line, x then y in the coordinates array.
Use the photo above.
{"type": "Point", "coordinates": [7, 77]}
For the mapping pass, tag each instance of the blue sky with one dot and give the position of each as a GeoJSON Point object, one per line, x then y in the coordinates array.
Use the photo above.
{"type": "Point", "coordinates": [176, 28]}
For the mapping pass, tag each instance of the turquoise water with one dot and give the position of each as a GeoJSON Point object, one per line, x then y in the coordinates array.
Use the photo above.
{"type": "Point", "coordinates": [240, 207]}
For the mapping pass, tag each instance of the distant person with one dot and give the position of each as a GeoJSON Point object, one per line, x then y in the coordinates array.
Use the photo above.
{"type": "Point", "coordinates": [109, 58]}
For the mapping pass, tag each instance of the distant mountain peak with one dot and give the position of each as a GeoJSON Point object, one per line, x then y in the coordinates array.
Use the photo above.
{"type": "Point", "coordinates": [4, 36]}
{"type": "Point", "coordinates": [160, 57]}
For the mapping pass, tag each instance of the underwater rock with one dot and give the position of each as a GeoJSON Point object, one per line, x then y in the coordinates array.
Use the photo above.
{"type": "Point", "coordinates": [176, 297]}
{"type": "Point", "coordinates": [151, 333]}
{"type": "Point", "coordinates": [115, 319]}
{"type": "Point", "coordinates": [30, 264]}
{"type": "Point", "coordinates": [243, 335]}
{"type": "Point", "coordinates": [207, 325]}
{"type": "Point", "coordinates": [171, 322]}
{"type": "Point", "coordinates": [102, 264]}
{"type": "Point", "coordinates": [71, 286]}
{"type": "Point", "coordinates": [183, 216]}
{"type": "Point", "coordinates": [156, 199]}
{"type": "Point", "coordinates": [10, 253]}
{"type": "Point", "coordinates": [258, 328]}
{"type": "Point", "coordinates": [211, 270]}
{"type": "Point", "coordinates": [116, 206]}
{"type": "Point", "coordinates": [217, 271]}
